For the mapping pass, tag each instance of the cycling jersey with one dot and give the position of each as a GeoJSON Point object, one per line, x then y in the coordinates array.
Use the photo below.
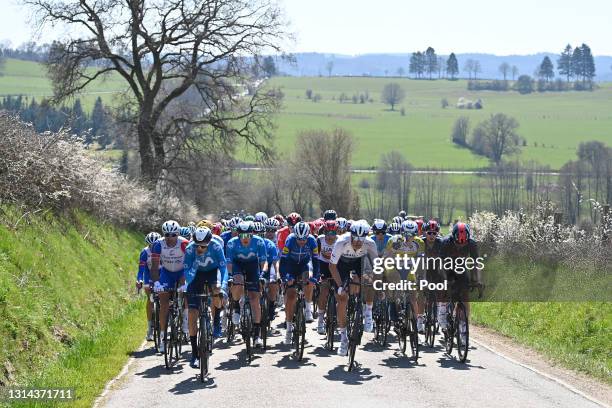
{"type": "Point", "coordinates": [255, 251]}
{"type": "Point", "coordinates": [381, 243]}
{"type": "Point", "coordinates": [399, 246]}
{"type": "Point", "coordinates": [271, 252]}
{"type": "Point", "coordinates": [219, 240]}
{"type": "Point", "coordinates": [226, 236]}
{"type": "Point", "coordinates": [212, 259]}
{"type": "Point", "coordinates": [296, 259]}
{"type": "Point", "coordinates": [144, 265]}
{"type": "Point", "coordinates": [325, 249]}
{"type": "Point", "coordinates": [343, 249]}
{"type": "Point", "coordinates": [170, 258]}
{"type": "Point", "coordinates": [281, 237]}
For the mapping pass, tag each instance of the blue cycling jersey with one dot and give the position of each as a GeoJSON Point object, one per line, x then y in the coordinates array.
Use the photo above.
{"type": "Point", "coordinates": [144, 264]}
{"type": "Point", "coordinates": [213, 258]}
{"type": "Point", "coordinates": [381, 243]}
{"type": "Point", "coordinates": [226, 236]}
{"type": "Point", "coordinates": [304, 253]}
{"type": "Point", "coordinates": [271, 252]}
{"type": "Point", "coordinates": [255, 251]}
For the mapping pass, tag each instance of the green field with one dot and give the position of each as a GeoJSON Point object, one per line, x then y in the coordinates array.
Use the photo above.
{"type": "Point", "coordinates": [559, 121]}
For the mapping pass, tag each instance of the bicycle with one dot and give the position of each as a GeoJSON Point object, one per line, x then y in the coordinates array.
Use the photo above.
{"type": "Point", "coordinates": [246, 327]}
{"type": "Point", "coordinates": [431, 319]}
{"type": "Point", "coordinates": [299, 322]}
{"type": "Point", "coordinates": [155, 317]}
{"type": "Point", "coordinates": [407, 327]}
{"type": "Point", "coordinates": [354, 321]}
{"type": "Point", "coordinates": [265, 322]}
{"type": "Point", "coordinates": [205, 336]}
{"type": "Point", "coordinates": [174, 337]}
{"type": "Point", "coordinates": [230, 329]}
{"type": "Point", "coordinates": [331, 321]}
{"type": "Point", "coordinates": [382, 321]}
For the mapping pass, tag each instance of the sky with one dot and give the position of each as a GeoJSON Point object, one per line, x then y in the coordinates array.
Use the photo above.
{"type": "Point", "coordinates": [401, 26]}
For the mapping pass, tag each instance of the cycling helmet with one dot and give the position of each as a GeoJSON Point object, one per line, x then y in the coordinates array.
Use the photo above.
{"type": "Point", "coordinates": [192, 227]}
{"type": "Point", "coordinates": [152, 237]}
{"type": "Point", "coordinates": [204, 224]}
{"type": "Point", "coordinates": [349, 223]}
{"type": "Point", "coordinates": [245, 227]}
{"type": "Point", "coordinates": [301, 230]}
{"type": "Point", "coordinates": [225, 222]}
{"type": "Point", "coordinates": [342, 223]}
{"type": "Point", "coordinates": [330, 225]}
{"type": "Point", "coordinates": [261, 216]}
{"type": "Point", "coordinates": [271, 224]}
{"type": "Point", "coordinates": [171, 227]}
{"type": "Point", "coordinates": [330, 215]}
{"type": "Point", "coordinates": [233, 223]}
{"type": "Point", "coordinates": [281, 220]}
{"type": "Point", "coordinates": [185, 232]}
{"type": "Point", "coordinates": [402, 214]}
{"type": "Point", "coordinates": [419, 223]}
{"type": "Point", "coordinates": [432, 225]}
{"type": "Point", "coordinates": [394, 228]}
{"type": "Point", "coordinates": [360, 229]}
{"type": "Point", "coordinates": [249, 218]}
{"type": "Point", "coordinates": [293, 219]}
{"type": "Point", "coordinates": [409, 228]}
{"type": "Point", "coordinates": [379, 226]}
{"type": "Point", "coordinates": [398, 220]}
{"type": "Point", "coordinates": [258, 227]}
{"type": "Point", "coordinates": [202, 234]}
{"type": "Point", "coordinates": [217, 228]}
{"type": "Point", "coordinates": [461, 233]}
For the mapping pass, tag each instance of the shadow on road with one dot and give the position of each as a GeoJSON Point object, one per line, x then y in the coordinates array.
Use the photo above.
{"type": "Point", "coordinates": [149, 351]}
{"type": "Point", "coordinates": [453, 363]}
{"type": "Point", "coordinates": [160, 370]}
{"type": "Point", "coordinates": [289, 363]}
{"type": "Point", "coordinates": [323, 352]}
{"type": "Point", "coordinates": [192, 384]}
{"type": "Point", "coordinates": [399, 361]}
{"type": "Point", "coordinates": [238, 362]}
{"type": "Point", "coordinates": [356, 377]}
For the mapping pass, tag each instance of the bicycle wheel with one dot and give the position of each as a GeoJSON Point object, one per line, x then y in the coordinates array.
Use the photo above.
{"type": "Point", "coordinates": [315, 300]}
{"type": "Point", "coordinates": [247, 329]}
{"type": "Point", "coordinates": [412, 332]}
{"type": "Point", "coordinates": [203, 352]}
{"type": "Point", "coordinates": [168, 341]}
{"type": "Point", "coordinates": [299, 330]}
{"type": "Point", "coordinates": [402, 329]}
{"type": "Point", "coordinates": [180, 333]}
{"type": "Point", "coordinates": [431, 322]}
{"type": "Point", "coordinates": [377, 315]}
{"type": "Point", "coordinates": [356, 329]}
{"type": "Point", "coordinates": [462, 331]}
{"type": "Point", "coordinates": [450, 331]}
{"type": "Point", "coordinates": [265, 323]}
{"type": "Point", "coordinates": [330, 321]}
{"type": "Point", "coordinates": [229, 325]}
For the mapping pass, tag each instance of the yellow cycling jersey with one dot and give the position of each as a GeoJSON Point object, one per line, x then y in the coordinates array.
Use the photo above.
{"type": "Point", "coordinates": [398, 246]}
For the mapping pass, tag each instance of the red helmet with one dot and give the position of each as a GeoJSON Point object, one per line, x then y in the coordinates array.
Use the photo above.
{"type": "Point", "coordinates": [432, 225]}
{"type": "Point", "coordinates": [217, 228]}
{"type": "Point", "coordinates": [419, 223]}
{"type": "Point", "coordinates": [461, 233]}
{"type": "Point", "coordinates": [293, 219]}
{"type": "Point", "coordinates": [330, 225]}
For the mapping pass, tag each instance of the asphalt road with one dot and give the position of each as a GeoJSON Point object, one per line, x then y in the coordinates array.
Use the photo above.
{"type": "Point", "coordinates": [383, 378]}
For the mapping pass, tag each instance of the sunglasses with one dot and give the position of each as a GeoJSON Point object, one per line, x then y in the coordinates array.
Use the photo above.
{"type": "Point", "coordinates": [170, 235]}
{"type": "Point", "coordinates": [245, 235]}
{"type": "Point", "coordinates": [359, 239]}
{"type": "Point", "coordinates": [380, 233]}
{"type": "Point", "coordinates": [202, 246]}
{"type": "Point", "coordinates": [432, 233]}
{"type": "Point", "coordinates": [331, 233]}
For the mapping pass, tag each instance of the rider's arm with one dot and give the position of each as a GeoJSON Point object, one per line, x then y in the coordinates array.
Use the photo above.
{"type": "Point", "coordinates": [155, 254]}
{"type": "Point", "coordinates": [262, 255]}
{"type": "Point", "coordinates": [142, 266]}
{"type": "Point", "coordinates": [220, 258]}
{"type": "Point", "coordinates": [315, 257]}
{"type": "Point", "coordinates": [333, 262]}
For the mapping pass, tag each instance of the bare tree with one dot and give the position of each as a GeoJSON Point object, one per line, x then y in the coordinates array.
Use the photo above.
{"type": "Point", "coordinates": [393, 94]}
{"type": "Point", "coordinates": [477, 69]}
{"type": "Point", "coordinates": [469, 67]}
{"type": "Point", "coordinates": [504, 69]}
{"type": "Point", "coordinates": [329, 67]}
{"type": "Point", "coordinates": [496, 137]}
{"type": "Point", "coordinates": [162, 49]}
{"type": "Point", "coordinates": [515, 72]}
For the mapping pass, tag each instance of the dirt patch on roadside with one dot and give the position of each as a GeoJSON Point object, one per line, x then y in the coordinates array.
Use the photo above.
{"type": "Point", "coordinates": [505, 346]}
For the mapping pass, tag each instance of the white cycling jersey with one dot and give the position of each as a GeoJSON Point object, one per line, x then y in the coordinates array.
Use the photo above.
{"type": "Point", "coordinates": [171, 258]}
{"type": "Point", "coordinates": [343, 249]}
{"type": "Point", "coordinates": [326, 249]}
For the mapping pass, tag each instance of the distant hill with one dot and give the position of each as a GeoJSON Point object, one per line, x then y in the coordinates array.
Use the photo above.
{"type": "Point", "coordinates": [314, 64]}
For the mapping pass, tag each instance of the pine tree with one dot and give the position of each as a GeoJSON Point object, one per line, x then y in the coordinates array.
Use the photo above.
{"type": "Point", "coordinates": [79, 119]}
{"type": "Point", "coordinates": [577, 64]}
{"type": "Point", "coordinates": [431, 61]}
{"type": "Point", "coordinates": [546, 69]}
{"type": "Point", "coordinates": [588, 64]}
{"type": "Point", "coordinates": [452, 66]}
{"type": "Point", "coordinates": [564, 63]}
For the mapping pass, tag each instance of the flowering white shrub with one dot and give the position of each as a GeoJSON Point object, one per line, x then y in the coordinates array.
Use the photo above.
{"type": "Point", "coordinates": [54, 170]}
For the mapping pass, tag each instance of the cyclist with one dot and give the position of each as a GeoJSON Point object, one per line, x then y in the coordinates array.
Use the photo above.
{"type": "Point", "coordinates": [329, 215]}
{"type": "Point", "coordinates": [379, 228]}
{"type": "Point", "coordinates": [283, 233]}
{"type": "Point", "coordinates": [167, 255]}
{"type": "Point", "coordinates": [407, 244]}
{"type": "Point", "coordinates": [185, 232]}
{"type": "Point", "coordinates": [419, 222]}
{"type": "Point", "coordinates": [299, 249]}
{"type": "Point", "coordinates": [346, 257]}
{"type": "Point", "coordinates": [232, 232]}
{"type": "Point", "coordinates": [144, 278]}
{"type": "Point", "coordinates": [273, 276]}
{"type": "Point", "coordinates": [204, 264]}
{"type": "Point", "coordinates": [325, 244]}
{"type": "Point", "coordinates": [394, 229]}
{"type": "Point", "coordinates": [459, 244]}
{"type": "Point", "coordinates": [246, 258]}
{"type": "Point", "coordinates": [398, 220]}
{"type": "Point", "coordinates": [402, 215]}
{"type": "Point", "coordinates": [342, 225]}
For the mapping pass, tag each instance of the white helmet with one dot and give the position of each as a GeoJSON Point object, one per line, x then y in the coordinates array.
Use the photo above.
{"type": "Point", "coordinates": [261, 217]}
{"type": "Point", "coordinates": [360, 229]}
{"type": "Point", "coordinates": [202, 234]}
{"type": "Point", "coordinates": [171, 227]}
{"type": "Point", "coordinates": [152, 237]}
{"type": "Point", "coordinates": [410, 228]}
{"type": "Point", "coordinates": [301, 230]}
{"type": "Point", "coordinates": [341, 222]}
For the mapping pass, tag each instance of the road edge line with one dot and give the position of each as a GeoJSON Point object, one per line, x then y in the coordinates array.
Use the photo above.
{"type": "Point", "coordinates": [543, 374]}
{"type": "Point", "coordinates": [107, 388]}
